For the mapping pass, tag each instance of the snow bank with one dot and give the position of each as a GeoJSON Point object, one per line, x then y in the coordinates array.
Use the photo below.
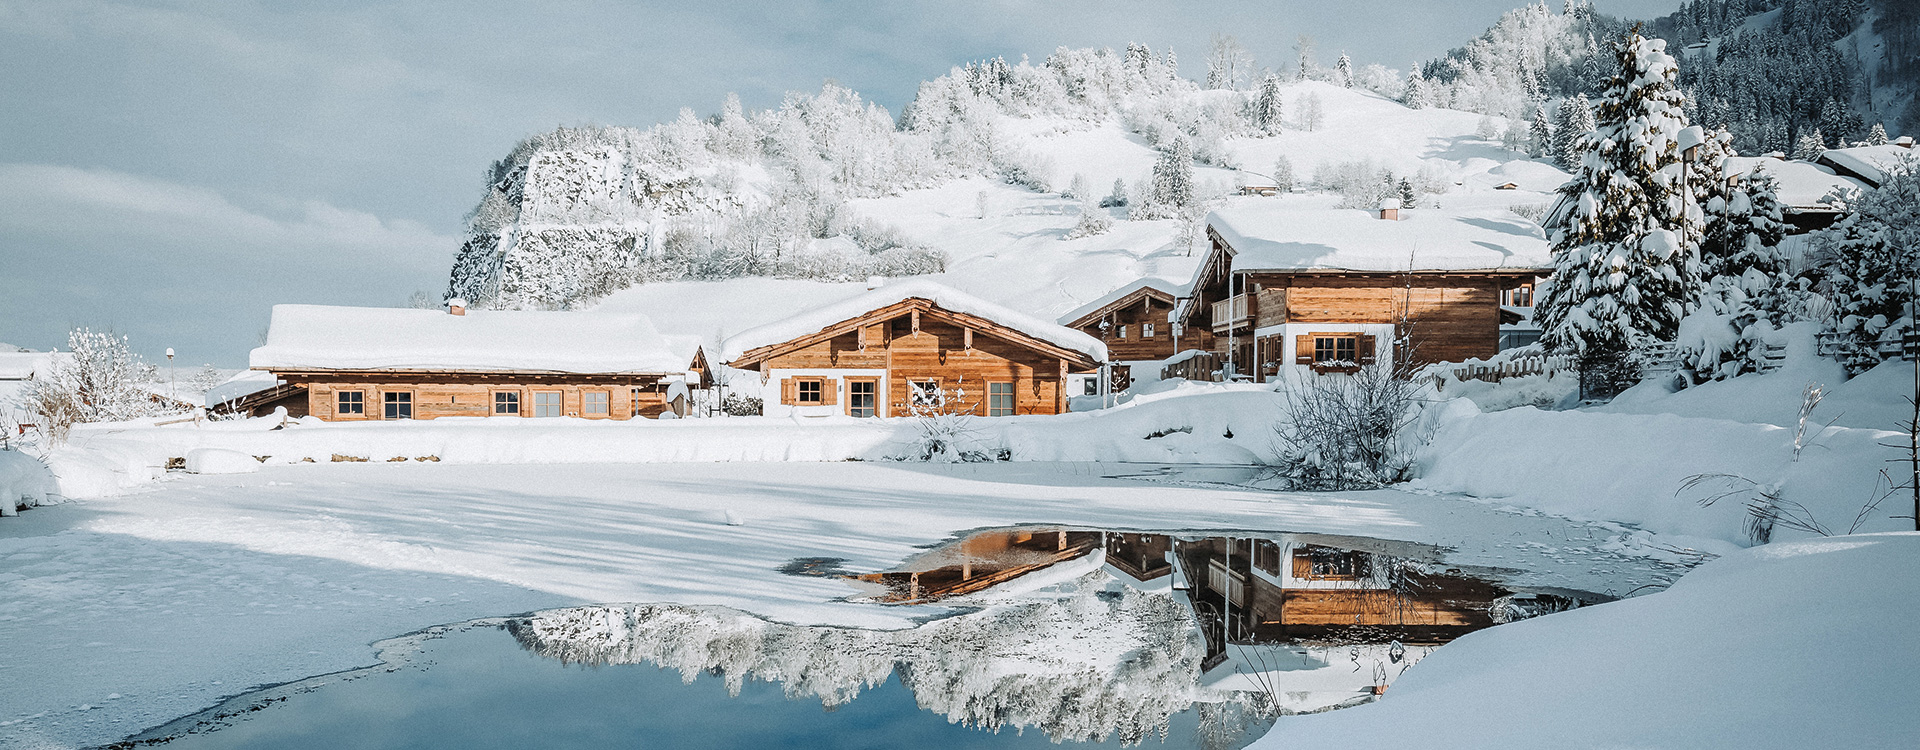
{"type": "Point", "coordinates": [1792, 645]}
{"type": "Point", "coordinates": [1227, 426]}
{"type": "Point", "coordinates": [24, 482]}
{"type": "Point", "coordinates": [812, 321]}
{"type": "Point", "coordinates": [220, 461]}
{"type": "Point", "coordinates": [1631, 467]}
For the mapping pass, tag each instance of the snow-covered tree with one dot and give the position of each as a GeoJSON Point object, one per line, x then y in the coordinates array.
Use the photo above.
{"type": "Point", "coordinates": [1267, 111]}
{"type": "Point", "coordinates": [1417, 96]}
{"type": "Point", "coordinates": [1304, 47]}
{"type": "Point", "coordinates": [1868, 263]}
{"type": "Point", "coordinates": [1228, 64]}
{"type": "Point", "coordinates": [1079, 188]}
{"type": "Point", "coordinates": [1311, 114]}
{"type": "Point", "coordinates": [1877, 135]}
{"type": "Point", "coordinates": [1514, 135]}
{"type": "Point", "coordinates": [1575, 117]}
{"type": "Point", "coordinates": [1283, 174]}
{"type": "Point", "coordinates": [1486, 128]}
{"type": "Point", "coordinates": [1810, 146]}
{"type": "Point", "coordinates": [1118, 197]}
{"type": "Point", "coordinates": [1173, 176]}
{"type": "Point", "coordinates": [1625, 228]}
{"type": "Point", "coordinates": [101, 380]}
{"type": "Point", "coordinates": [1539, 134]}
{"type": "Point", "coordinates": [1405, 191]}
{"type": "Point", "coordinates": [1093, 220]}
{"type": "Point", "coordinates": [1343, 71]}
{"type": "Point", "coordinates": [1747, 287]}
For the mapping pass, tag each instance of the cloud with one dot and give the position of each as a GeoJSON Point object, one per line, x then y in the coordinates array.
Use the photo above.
{"type": "Point", "coordinates": [184, 266]}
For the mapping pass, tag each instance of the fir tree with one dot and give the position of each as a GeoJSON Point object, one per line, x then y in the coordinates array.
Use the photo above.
{"type": "Point", "coordinates": [1810, 146]}
{"type": "Point", "coordinates": [1173, 179]}
{"type": "Point", "coordinates": [1877, 135]}
{"type": "Point", "coordinates": [1416, 95]}
{"type": "Point", "coordinates": [1869, 261]}
{"type": "Point", "coordinates": [1304, 46]}
{"type": "Point", "coordinates": [1540, 135]}
{"type": "Point", "coordinates": [1267, 112]}
{"type": "Point", "coordinates": [1625, 227]}
{"type": "Point", "coordinates": [1576, 119]}
{"type": "Point", "coordinates": [1405, 190]}
{"type": "Point", "coordinates": [1343, 71]}
{"type": "Point", "coordinates": [1283, 174]}
{"type": "Point", "coordinates": [1118, 197]}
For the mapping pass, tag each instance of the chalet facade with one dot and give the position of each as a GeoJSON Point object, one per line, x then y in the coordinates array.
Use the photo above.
{"type": "Point", "coordinates": [351, 364]}
{"type": "Point", "coordinates": [1137, 324]}
{"type": "Point", "coordinates": [1330, 290]}
{"type": "Point", "coordinates": [912, 347]}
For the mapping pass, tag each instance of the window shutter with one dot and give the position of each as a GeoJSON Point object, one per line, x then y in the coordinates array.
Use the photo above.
{"type": "Point", "coordinates": [789, 393]}
{"type": "Point", "coordinates": [1302, 565]}
{"type": "Point", "coordinates": [1303, 349]}
{"type": "Point", "coordinates": [1365, 350]}
{"type": "Point", "coordinates": [829, 391]}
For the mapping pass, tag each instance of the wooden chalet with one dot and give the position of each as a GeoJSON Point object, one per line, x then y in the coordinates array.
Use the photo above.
{"type": "Point", "coordinates": [1330, 290]}
{"type": "Point", "coordinates": [1805, 190]}
{"type": "Point", "coordinates": [1137, 325]}
{"type": "Point", "coordinates": [913, 347]}
{"type": "Point", "coordinates": [366, 363]}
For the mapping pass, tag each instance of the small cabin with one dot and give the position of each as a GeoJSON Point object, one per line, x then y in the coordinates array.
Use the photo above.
{"type": "Point", "coordinates": [351, 364]}
{"type": "Point", "coordinates": [912, 348]}
{"type": "Point", "coordinates": [1136, 323]}
{"type": "Point", "coordinates": [1333, 290]}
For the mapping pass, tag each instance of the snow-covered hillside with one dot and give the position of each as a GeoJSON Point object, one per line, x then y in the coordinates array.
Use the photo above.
{"type": "Point", "coordinates": [698, 254]}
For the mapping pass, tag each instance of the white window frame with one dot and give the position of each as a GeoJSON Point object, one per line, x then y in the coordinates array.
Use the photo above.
{"type": "Point", "coordinates": [559, 404]}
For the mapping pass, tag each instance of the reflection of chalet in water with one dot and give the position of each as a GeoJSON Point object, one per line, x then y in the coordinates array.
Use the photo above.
{"type": "Point", "coordinates": [1287, 587]}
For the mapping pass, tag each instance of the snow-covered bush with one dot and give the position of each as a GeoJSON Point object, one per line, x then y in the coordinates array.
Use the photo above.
{"type": "Point", "coordinates": [100, 382]}
{"type": "Point", "coordinates": [24, 482]}
{"type": "Point", "coordinates": [1868, 264]}
{"type": "Point", "coordinates": [1348, 431]}
{"type": "Point", "coordinates": [1361, 184]}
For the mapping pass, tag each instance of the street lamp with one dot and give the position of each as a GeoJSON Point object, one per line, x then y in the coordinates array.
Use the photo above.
{"type": "Point", "coordinates": [170, 387]}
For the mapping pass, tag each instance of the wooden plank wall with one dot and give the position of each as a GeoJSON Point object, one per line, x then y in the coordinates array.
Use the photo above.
{"type": "Point", "coordinates": [1136, 347]}
{"type": "Point", "coordinates": [453, 397]}
{"type": "Point", "coordinates": [938, 351]}
{"type": "Point", "coordinates": [1453, 317]}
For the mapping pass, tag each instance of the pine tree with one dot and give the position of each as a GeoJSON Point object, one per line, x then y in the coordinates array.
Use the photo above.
{"type": "Point", "coordinates": [1173, 64]}
{"type": "Point", "coordinates": [1173, 179]}
{"type": "Point", "coordinates": [1870, 261]}
{"type": "Point", "coordinates": [1416, 95]}
{"type": "Point", "coordinates": [1118, 197]}
{"type": "Point", "coordinates": [1283, 174]}
{"type": "Point", "coordinates": [1877, 135]}
{"type": "Point", "coordinates": [1343, 71]}
{"type": "Point", "coordinates": [1625, 228]}
{"type": "Point", "coordinates": [1540, 137]}
{"type": "Point", "coordinates": [1304, 46]}
{"type": "Point", "coordinates": [1405, 190]}
{"type": "Point", "coordinates": [1810, 146]}
{"type": "Point", "coordinates": [1267, 112]}
{"type": "Point", "coordinates": [1575, 119]}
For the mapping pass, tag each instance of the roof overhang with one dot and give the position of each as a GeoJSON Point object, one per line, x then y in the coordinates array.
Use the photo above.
{"type": "Point", "coordinates": [754, 356]}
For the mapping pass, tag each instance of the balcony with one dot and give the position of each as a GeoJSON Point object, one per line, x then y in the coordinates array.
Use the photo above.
{"type": "Point", "coordinates": [1230, 313]}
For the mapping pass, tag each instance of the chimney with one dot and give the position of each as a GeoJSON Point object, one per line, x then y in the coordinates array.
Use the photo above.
{"type": "Point", "coordinates": [456, 306]}
{"type": "Point", "coordinates": [1390, 210]}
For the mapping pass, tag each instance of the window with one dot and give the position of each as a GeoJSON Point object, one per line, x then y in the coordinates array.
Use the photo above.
{"type": "Point", "coordinates": [398, 405]}
{"type": "Point", "coordinates": [594, 403]}
{"type": "Point", "coordinates": [1324, 563]}
{"type": "Point", "coordinates": [999, 399]}
{"type": "Point", "coordinates": [1090, 387]}
{"type": "Point", "coordinates": [546, 403]}
{"type": "Point", "coordinates": [810, 392]}
{"type": "Point", "coordinates": [352, 402]}
{"type": "Point", "coordinates": [924, 393]}
{"type": "Point", "coordinates": [506, 402]}
{"type": "Point", "coordinates": [1266, 556]}
{"type": "Point", "coordinates": [1123, 332]}
{"type": "Point", "coordinates": [1520, 296]}
{"type": "Point", "coordinates": [1146, 330]}
{"type": "Point", "coordinates": [862, 395]}
{"type": "Point", "coordinates": [1336, 348]}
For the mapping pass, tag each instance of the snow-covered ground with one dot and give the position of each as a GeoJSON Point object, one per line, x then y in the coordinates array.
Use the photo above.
{"type": "Point", "coordinates": [1791, 645]}
{"type": "Point", "coordinates": [205, 586]}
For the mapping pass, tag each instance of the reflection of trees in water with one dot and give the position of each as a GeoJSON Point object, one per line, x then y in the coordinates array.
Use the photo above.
{"type": "Point", "coordinates": [1090, 666]}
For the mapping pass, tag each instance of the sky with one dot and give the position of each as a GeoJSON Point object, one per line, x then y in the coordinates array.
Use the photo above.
{"type": "Point", "coordinates": [171, 169]}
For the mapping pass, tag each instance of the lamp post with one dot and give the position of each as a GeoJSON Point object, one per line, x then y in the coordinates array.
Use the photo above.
{"type": "Point", "coordinates": [170, 380]}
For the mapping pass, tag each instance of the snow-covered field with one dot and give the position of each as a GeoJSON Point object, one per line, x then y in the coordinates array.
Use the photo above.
{"type": "Point", "coordinates": [205, 586]}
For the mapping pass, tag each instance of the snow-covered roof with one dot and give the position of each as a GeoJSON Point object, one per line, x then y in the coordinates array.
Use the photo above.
{"type": "Point", "coordinates": [1274, 238]}
{"type": "Point", "coordinates": [24, 365]}
{"type": "Point", "coordinates": [948, 298]}
{"type": "Point", "coordinates": [243, 383]}
{"type": "Point", "coordinates": [321, 337]}
{"type": "Point", "coordinates": [1869, 162]}
{"type": "Point", "coordinates": [1171, 289]}
{"type": "Point", "coordinates": [1797, 183]}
